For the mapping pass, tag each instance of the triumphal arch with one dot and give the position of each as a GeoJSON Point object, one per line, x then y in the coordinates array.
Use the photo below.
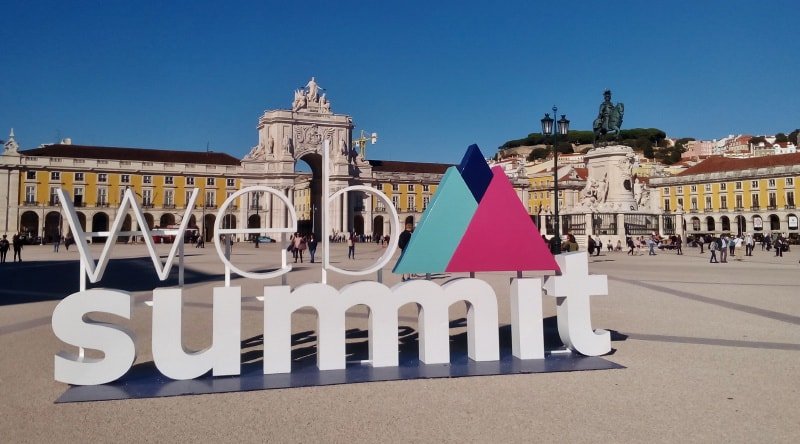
{"type": "Point", "coordinates": [286, 136]}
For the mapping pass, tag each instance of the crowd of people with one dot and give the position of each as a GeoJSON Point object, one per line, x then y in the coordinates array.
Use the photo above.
{"type": "Point", "coordinates": [719, 247]}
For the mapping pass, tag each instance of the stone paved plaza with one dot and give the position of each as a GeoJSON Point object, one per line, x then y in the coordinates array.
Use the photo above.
{"type": "Point", "coordinates": [712, 354]}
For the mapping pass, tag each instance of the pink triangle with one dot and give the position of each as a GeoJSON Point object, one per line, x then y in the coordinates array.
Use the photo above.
{"type": "Point", "coordinates": [501, 235]}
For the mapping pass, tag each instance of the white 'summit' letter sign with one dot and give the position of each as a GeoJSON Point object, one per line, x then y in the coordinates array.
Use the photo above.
{"type": "Point", "coordinates": [455, 235]}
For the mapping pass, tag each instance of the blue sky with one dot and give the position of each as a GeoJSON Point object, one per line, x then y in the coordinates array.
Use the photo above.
{"type": "Point", "coordinates": [430, 77]}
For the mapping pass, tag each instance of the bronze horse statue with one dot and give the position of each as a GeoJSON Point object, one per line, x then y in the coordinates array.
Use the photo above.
{"type": "Point", "coordinates": [608, 122]}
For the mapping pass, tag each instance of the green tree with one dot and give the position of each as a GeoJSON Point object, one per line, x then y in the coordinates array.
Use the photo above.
{"type": "Point", "coordinates": [781, 138]}
{"type": "Point", "coordinates": [538, 153]}
{"type": "Point", "coordinates": [793, 136]}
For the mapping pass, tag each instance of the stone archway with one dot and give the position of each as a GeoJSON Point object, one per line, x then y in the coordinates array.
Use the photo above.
{"type": "Point", "coordinates": [741, 224]}
{"type": "Point", "coordinates": [166, 220]}
{"type": "Point", "coordinates": [208, 227]}
{"type": "Point", "coordinates": [358, 224]}
{"type": "Point", "coordinates": [710, 224]}
{"type": "Point", "coordinates": [99, 223]}
{"type": "Point", "coordinates": [151, 221]}
{"type": "Point", "coordinates": [774, 222]}
{"type": "Point", "coordinates": [725, 224]}
{"type": "Point", "coordinates": [377, 227]}
{"type": "Point", "coordinates": [314, 220]}
{"type": "Point", "coordinates": [29, 223]}
{"type": "Point", "coordinates": [52, 226]}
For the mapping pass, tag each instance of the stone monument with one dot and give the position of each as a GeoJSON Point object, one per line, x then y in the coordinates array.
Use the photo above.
{"type": "Point", "coordinates": [286, 136]}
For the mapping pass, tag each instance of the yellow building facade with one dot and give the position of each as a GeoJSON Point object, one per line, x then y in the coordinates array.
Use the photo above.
{"type": "Point", "coordinates": [725, 195]}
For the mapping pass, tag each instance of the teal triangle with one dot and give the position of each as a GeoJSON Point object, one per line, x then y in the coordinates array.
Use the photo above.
{"type": "Point", "coordinates": [440, 230]}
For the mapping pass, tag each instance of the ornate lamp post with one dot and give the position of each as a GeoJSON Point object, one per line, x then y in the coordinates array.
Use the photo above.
{"type": "Point", "coordinates": [547, 130]}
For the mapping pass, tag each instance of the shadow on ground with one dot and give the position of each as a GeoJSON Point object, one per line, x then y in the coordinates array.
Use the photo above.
{"type": "Point", "coordinates": [25, 282]}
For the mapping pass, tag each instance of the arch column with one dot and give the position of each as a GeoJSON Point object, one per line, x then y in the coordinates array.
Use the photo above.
{"type": "Point", "coordinates": [368, 202]}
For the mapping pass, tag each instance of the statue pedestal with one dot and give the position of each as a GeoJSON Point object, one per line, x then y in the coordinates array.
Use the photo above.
{"type": "Point", "coordinates": [609, 187]}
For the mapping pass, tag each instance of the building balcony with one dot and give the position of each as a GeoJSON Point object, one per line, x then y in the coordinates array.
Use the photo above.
{"type": "Point", "coordinates": [255, 207]}
{"type": "Point", "coordinates": [169, 206]}
{"type": "Point", "coordinates": [148, 205]}
{"type": "Point", "coordinates": [101, 204]}
{"type": "Point", "coordinates": [693, 210]}
{"type": "Point", "coordinates": [210, 206]}
{"type": "Point", "coordinates": [30, 203]}
{"type": "Point", "coordinates": [755, 207]}
{"type": "Point", "coordinates": [708, 210]}
{"type": "Point", "coordinates": [380, 210]}
{"type": "Point", "coordinates": [53, 202]}
{"type": "Point", "coordinates": [79, 204]}
{"type": "Point", "coordinates": [723, 208]}
{"type": "Point", "coordinates": [789, 207]}
{"type": "Point", "coordinates": [738, 209]}
{"type": "Point", "coordinates": [772, 207]}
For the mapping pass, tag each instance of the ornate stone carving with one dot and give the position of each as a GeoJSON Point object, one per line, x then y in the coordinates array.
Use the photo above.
{"type": "Point", "coordinates": [610, 186]}
{"type": "Point", "coordinates": [311, 136]}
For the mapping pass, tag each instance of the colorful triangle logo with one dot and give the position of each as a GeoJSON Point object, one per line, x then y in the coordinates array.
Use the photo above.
{"type": "Point", "coordinates": [475, 222]}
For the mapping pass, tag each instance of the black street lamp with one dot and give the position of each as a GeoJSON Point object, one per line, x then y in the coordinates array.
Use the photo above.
{"type": "Point", "coordinates": [547, 130]}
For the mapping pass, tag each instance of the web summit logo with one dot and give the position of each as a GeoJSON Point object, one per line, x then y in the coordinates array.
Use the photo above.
{"type": "Point", "coordinates": [475, 223]}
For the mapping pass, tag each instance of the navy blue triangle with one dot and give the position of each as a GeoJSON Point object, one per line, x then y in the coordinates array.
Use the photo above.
{"type": "Point", "coordinates": [475, 172]}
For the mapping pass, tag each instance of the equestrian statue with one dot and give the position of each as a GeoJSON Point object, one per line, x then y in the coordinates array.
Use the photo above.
{"type": "Point", "coordinates": [609, 119]}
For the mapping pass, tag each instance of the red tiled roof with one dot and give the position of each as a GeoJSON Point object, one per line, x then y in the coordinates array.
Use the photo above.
{"type": "Point", "coordinates": [717, 164]}
{"type": "Point", "coordinates": [140, 154]}
{"type": "Point", "coordinates": [582, 173]}
{"type": "Point", "coordinates": [408, 167]}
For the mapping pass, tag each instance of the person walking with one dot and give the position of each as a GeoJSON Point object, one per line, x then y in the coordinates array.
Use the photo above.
{"type": "Point", "coordinates": [779, 246]}
{"type": "Point", "coordinates": [402, 242]}
{"type": "Point", "coordinates": [299, 246]}
{"type": "Point", "coordinates": [351, 246]}
{"type": "Point", "coordinates": [712, 247]}
{"type": "Point", "coordinates": [679, 244]}
{"type": "Point", "coordinates": [723, 249]}
{"type": "Point", "coordinates": [732, 245]}
{"type": "Point", "coordinates": [748, 244]}
{"type": "Point", "coordinates": [651, 244]}
{"type": "Point", "coordinates": [16, 243]}
{"type": "Point", "coordinates": [56, 242]}
{"type": "Point", "coordinates": [312, 247]}
{"type": "Point", "coordinates": [4, 245]}
{"type": "Point", "coordinates": [631, 246]}
{"type": "Point", "coordinates": [700, 242]}
{"type": "Point", "coordinates": [592, 245]}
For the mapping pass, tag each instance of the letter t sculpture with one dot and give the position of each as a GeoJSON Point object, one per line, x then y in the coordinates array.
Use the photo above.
{"type": "Point", "coordinates": [572, 290]}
